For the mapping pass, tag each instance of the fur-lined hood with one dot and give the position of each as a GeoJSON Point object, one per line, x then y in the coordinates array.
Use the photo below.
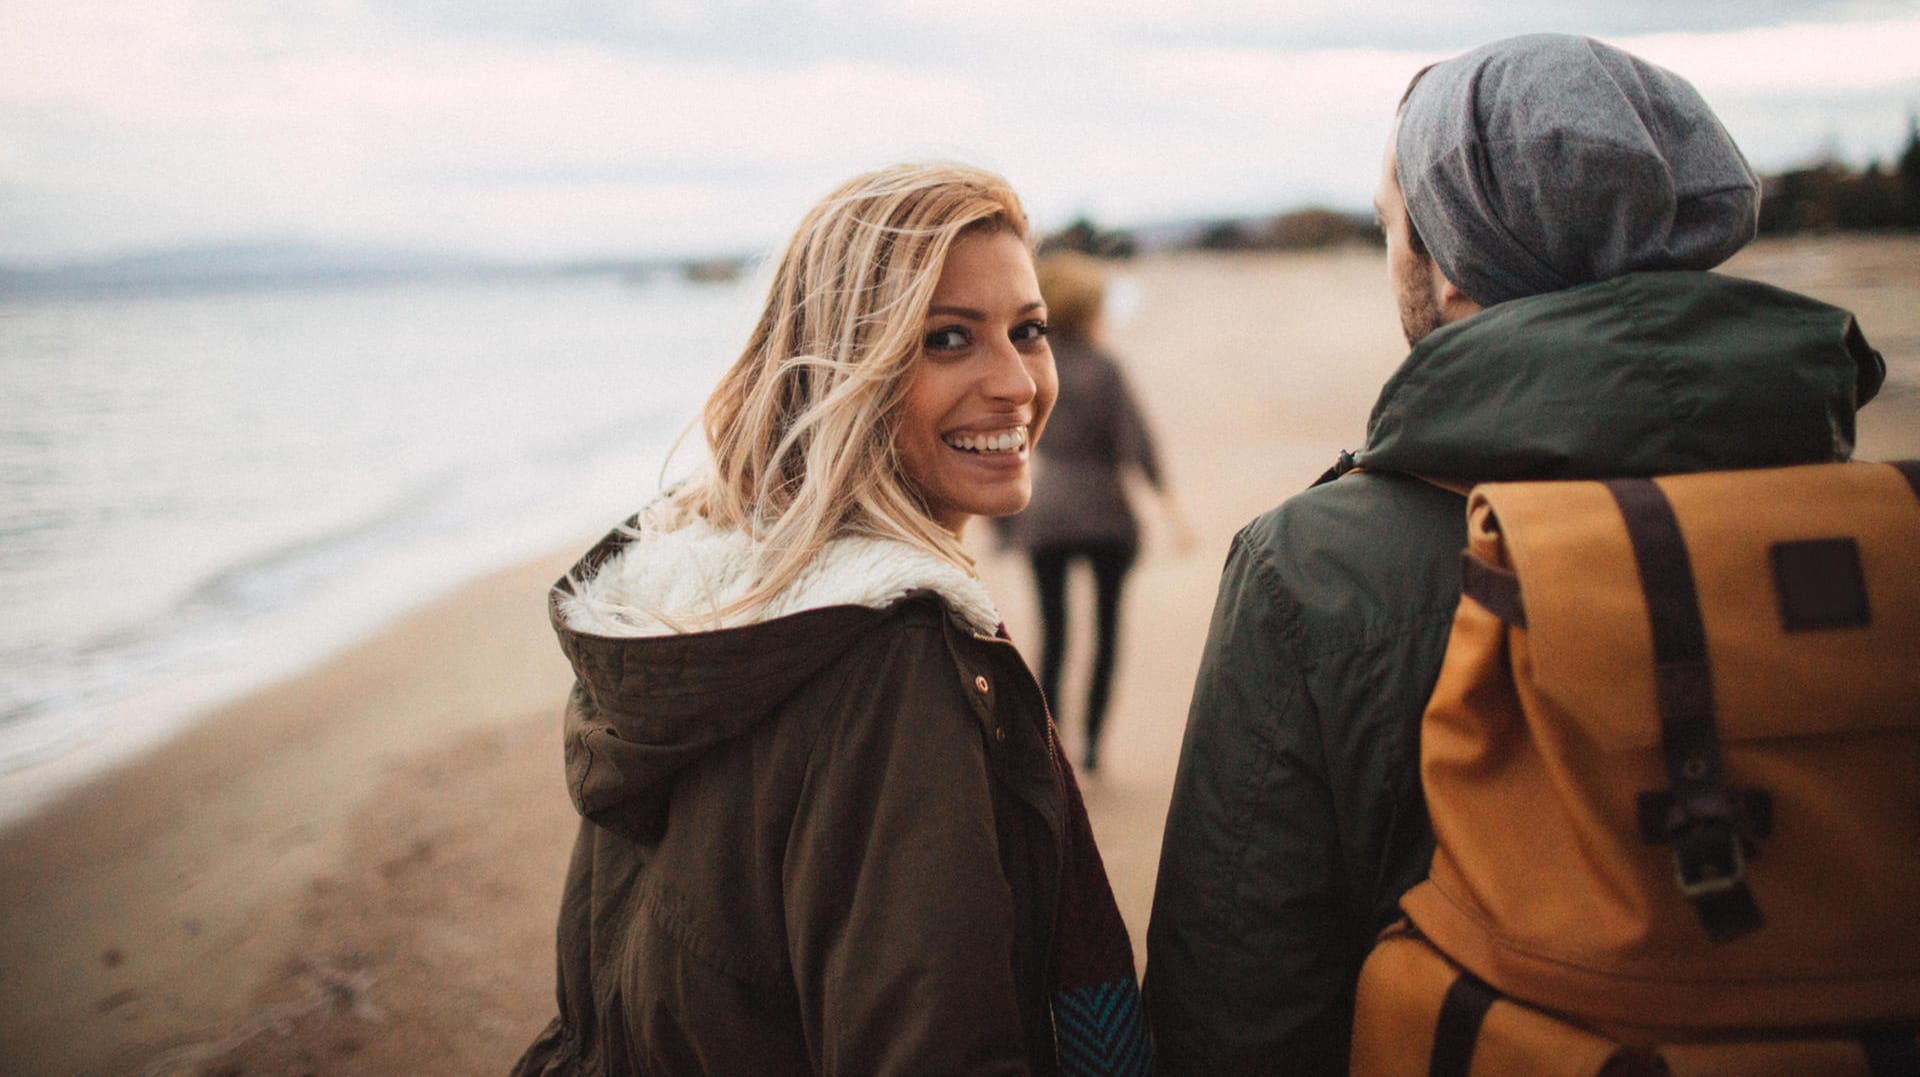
{"type": "Point", "coordinates": [669, 582]}
{"type": "Point", "coordinates": [659, 684]}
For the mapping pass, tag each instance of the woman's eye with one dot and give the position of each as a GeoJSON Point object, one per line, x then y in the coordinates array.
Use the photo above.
{"type": "Point", "coordinates": [1029, 332]}
{"type": "Point", "coordinates": [946, 340]}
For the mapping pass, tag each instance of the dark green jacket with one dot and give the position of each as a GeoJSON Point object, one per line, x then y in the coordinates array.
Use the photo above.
{"type": "Point", "coordinates": [828, 842]}
{"type": "Point", "coordinates": [1297, 818]}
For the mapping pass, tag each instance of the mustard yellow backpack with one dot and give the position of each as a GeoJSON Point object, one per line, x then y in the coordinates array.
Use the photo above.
{"type": "Point", "coordinates": [1673, 767]}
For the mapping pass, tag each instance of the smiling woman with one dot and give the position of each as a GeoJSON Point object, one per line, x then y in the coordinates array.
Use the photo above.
{"type": "Point", "coordinates": [826, 824]}
{"type": "Point", "coordinates": [980, 398]}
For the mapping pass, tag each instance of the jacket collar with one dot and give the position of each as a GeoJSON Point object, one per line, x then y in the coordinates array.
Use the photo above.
{"type": "Point", "coordinates": [1644, 374]}
{"type": "Point", "coordinates": [651, 582]}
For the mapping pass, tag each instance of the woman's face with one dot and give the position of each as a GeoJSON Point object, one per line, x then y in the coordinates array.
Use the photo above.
{"type": "Point", "coordinates": [982, 388]}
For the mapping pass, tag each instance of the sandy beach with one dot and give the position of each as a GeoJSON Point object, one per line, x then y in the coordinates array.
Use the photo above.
{"type": "Point", "coordinates": [356, 871]}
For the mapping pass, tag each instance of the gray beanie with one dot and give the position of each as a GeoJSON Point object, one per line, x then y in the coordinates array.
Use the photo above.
{"type": "Point", "coordinates": [1542, 162]}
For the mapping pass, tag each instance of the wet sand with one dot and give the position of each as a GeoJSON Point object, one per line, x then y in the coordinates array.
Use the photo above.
{"type": "Point", "coordinates": [357, 871]}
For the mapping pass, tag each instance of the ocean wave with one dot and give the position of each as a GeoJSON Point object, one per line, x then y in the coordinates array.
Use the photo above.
{"type": "Point", "coordinates": [429, 536]}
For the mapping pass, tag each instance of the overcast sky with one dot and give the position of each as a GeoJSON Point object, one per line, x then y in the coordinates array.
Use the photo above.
{"type": "Point", "coordinates": [581, 128]}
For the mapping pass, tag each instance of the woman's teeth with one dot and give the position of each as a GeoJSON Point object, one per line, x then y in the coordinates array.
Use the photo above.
{"type": "Point", "coordinates": [1005, 441]}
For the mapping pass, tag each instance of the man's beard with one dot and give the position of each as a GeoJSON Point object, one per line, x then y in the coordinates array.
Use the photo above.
{"type": "Point", "coordinates": [1419, 304]}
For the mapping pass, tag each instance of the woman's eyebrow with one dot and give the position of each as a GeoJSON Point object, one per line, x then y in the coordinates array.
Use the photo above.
{"type": "Point", "coordinates": [973, 315]}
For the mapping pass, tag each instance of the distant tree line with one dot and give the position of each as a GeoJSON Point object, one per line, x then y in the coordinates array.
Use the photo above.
{"type": "Point", "coordinates": [1821, 197]}
{"type": "Point", "coordinates": [1306, 229]}
{"type": "Point", "coordinates": [1301, 230]}
{"type": "Point", "coordinates": [1828, 196]}
{"type": "Point", "coordinates": [1088, 238]}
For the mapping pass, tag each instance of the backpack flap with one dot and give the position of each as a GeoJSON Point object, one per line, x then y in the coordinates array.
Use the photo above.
{"type": "Point", "coordinates": [1808, 585]}
{"type": "Point", "coordinates": [1683, 789]}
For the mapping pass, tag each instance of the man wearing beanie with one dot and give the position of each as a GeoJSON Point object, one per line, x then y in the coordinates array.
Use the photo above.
{"type": "Point", "coordinates": [1552, 207]}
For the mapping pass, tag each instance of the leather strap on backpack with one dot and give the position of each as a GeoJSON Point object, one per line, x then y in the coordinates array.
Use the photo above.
{"type": "Point", "coordinates": [1909, 470]}
{"type": "Point", "coordinates": [1892, 1051]}
{"type": "Point", "coordinates": [1712, 829]}
{"type": "Point", "coordinates": [1457, 1029]}
{"type": "Point", "coordinates": [1494, 588]}
{"type": "Point", "coordinates": [1888, 1050]}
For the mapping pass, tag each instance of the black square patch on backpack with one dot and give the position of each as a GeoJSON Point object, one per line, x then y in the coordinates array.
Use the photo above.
{"type": "Point", "coordinates": [1819, 584]}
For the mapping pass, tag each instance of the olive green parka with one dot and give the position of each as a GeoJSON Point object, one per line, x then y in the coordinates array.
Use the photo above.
{"type": "Point", "coordinates": [828, 841]}
{"type": "Point", "coordinates": [1297, 818]}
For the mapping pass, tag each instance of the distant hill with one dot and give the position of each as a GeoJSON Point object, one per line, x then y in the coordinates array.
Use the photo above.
{"type": "Point", "coordinates": [1822, 197]}
{"type": "Point", "coordinates": [232, 266]}
{"type": "Point", "coordinates": [256, 266]}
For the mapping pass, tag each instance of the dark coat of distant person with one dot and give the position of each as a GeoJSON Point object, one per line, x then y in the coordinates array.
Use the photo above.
{"type": "Point", "coordinates": [1096, 434]}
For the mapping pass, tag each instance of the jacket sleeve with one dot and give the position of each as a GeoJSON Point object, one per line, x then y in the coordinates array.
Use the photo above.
{"type": "Point", "coordinates": [1249, 951]}
{"type": "Point", "coordinates": [899, 916]}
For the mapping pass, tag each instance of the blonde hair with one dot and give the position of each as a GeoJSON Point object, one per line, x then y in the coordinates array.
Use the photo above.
{"type": "Point", "coordinates": [801, 428]}
{"type": "Point", "coordinates": [1074, 287]}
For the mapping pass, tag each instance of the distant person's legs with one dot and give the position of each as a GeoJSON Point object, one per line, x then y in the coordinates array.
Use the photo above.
{"type": "Point", "coordinates": [1110, 565]}
{"type": "Point", "coordinates": [1050, 583]}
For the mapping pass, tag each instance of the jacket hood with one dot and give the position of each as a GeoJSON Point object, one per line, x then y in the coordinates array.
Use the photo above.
{"type": "Point", "coordinates": [661, 680]}
{"type": "Point", "coordinates": [1645, 374]}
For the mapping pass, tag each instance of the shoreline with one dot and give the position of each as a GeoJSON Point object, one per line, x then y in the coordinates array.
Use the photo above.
{"type": "Point", "coordinates": [304, 640]}
{"type": "Point", "coordinates": [356, 868]}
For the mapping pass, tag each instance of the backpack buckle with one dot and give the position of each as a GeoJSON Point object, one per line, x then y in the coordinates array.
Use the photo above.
{"type": "Point", "coordinates": [1710, 853]}
{"type": "Point", "coordinates": [1708, 861]}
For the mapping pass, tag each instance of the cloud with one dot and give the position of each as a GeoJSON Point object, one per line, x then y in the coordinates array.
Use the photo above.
{"type": "Point", "coordinates": [599, 128]}
{"type": "Point", "coordinates": [1792, 93]}
{"type": "Point", "coordinates": [1796, 57]}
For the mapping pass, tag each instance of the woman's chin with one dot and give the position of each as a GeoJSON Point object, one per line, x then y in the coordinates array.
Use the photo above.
{"type": "Point", "coordinates": [1008, 503]}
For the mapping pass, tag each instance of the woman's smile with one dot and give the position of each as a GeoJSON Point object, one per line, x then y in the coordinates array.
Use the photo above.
{"type": "Point", "coordinates": [1012, 440]}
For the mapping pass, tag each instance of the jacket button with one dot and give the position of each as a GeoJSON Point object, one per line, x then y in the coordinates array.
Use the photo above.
{"type": "Point", "coordinates": [999, 734]}
{"type": "Point", "coordinates": [981, 684]}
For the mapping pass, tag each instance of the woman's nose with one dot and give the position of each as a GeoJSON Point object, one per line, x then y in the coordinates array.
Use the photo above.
{"type": "Point", "coordinates": [1009, 376]}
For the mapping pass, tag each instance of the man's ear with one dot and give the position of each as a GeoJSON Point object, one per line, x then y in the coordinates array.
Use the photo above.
{"type": "Point", "coordinates": [1454, 303]}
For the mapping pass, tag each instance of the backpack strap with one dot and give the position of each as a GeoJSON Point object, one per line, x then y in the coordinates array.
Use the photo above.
{"type": "Point", "coordinates": [1341, 465]}
{"type": "Point", "coordinates": [1892, 1050]}
{"type": "Point", "coordinates": [1346, 465]}
{"type": "Point", "coordinates": [1712, 829]}
{"type": "Point", "coordinates": [1495, 588]}
{"type": "Point", "coordinates": [1909, 470]}
{"type": "Point", "coordinates": [1457, 1030]}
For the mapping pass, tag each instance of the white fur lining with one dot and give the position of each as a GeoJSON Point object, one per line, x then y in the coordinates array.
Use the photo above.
{"type": "Point", "coordinates": [667, 582]}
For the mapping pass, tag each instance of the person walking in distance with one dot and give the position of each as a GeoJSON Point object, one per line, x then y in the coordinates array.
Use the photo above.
{"type": "Point", "coordinates": [1080, 510]}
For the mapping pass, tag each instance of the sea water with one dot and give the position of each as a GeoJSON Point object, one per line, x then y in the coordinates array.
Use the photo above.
{"type": "Point", "coordinates": [213, 490]}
